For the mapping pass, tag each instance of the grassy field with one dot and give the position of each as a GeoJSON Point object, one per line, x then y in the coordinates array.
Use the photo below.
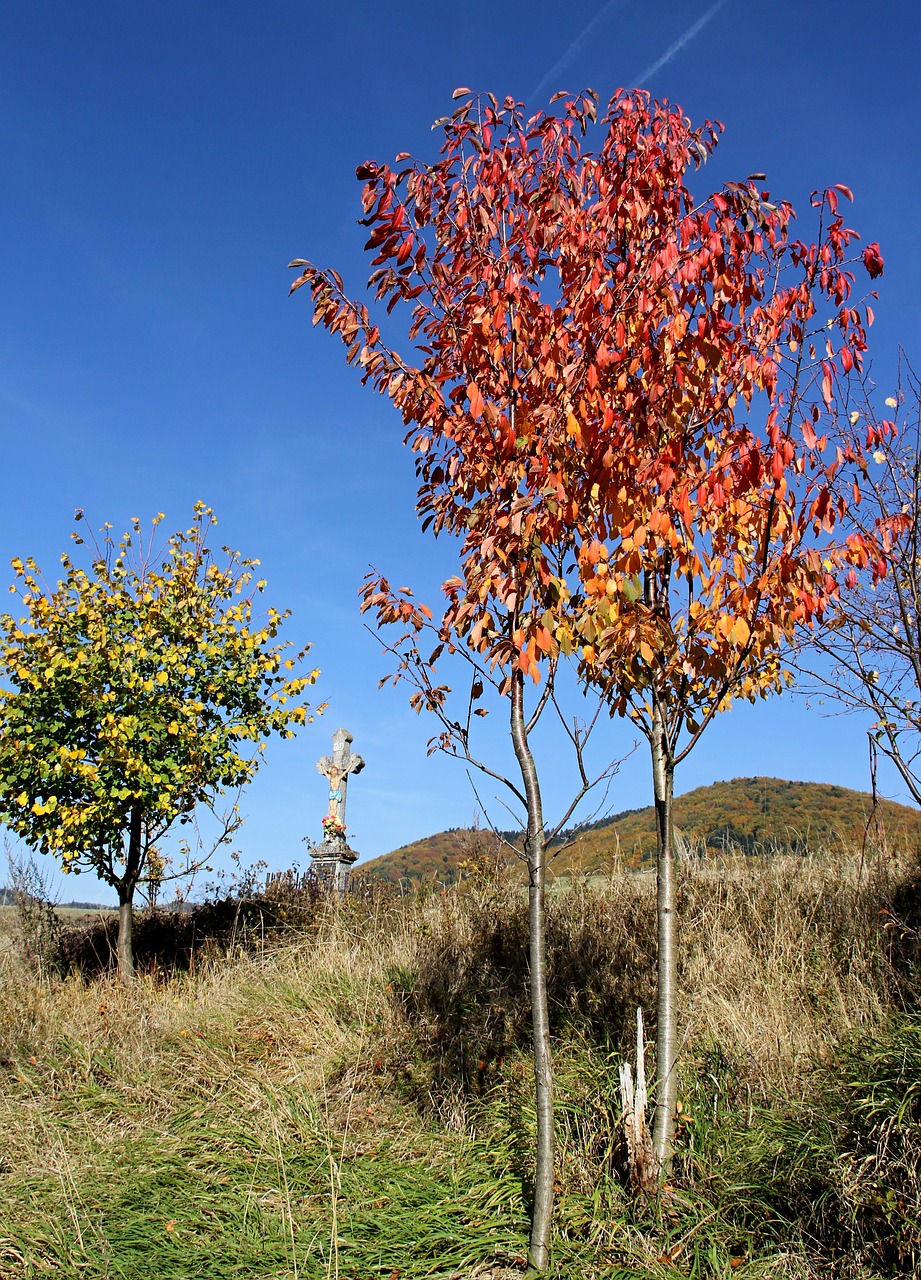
{"type": "Point", "coordinates": [354, 1101]}
{"type": "Point", "coordinates": [68, 915]}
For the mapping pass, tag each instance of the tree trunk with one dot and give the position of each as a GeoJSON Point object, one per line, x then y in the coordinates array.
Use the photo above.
{"type": "Point", "coordinates": [663, 772]}
{"type": "Point", "coordinates": [542, 1216]}
{"type": "Point", "coordinates": [125, 951]}
{"type": "Point", "coordinates": [126, 887]}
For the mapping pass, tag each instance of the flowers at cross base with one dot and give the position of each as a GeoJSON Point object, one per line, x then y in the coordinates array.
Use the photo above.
{"type": "Point", "coordinates": [333, 829]}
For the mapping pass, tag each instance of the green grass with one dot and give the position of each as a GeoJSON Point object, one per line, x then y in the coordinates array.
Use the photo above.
{"type": "Point", "coordinates": [231, 1126]}
{"type": "Point", "coordinates": [190, 1201]}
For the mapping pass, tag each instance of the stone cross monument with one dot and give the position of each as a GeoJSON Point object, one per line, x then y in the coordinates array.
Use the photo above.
{"type": "Point", "coordinates": [332, 858]}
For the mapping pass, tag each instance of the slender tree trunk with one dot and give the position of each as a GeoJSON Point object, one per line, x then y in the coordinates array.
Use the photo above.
{"type": "Point", "coordinates": [541, 1220]}
{"type": "Point", "coordinates": [125, 950]}
{"type": "Point", "coordinates": [126, 887]}
{"type": "Point", "coordinates": [667, 997]}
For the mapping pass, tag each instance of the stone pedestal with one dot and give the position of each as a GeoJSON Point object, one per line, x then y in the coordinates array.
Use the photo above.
{"type": "Point", "coordinates": [331, 862]}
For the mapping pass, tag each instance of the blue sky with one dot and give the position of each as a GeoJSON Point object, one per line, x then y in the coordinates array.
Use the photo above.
{"type": "Point", "coordinates": [161, 164]}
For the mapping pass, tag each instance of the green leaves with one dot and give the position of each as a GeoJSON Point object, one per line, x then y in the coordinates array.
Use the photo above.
{"type": "Point", "coordinates": [141, 682]}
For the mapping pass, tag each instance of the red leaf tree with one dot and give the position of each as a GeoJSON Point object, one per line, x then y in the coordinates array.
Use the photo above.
{"type": "Point", "coordinates": [725, 532]}
{"type": "Point", "coordinates": [589, 344]}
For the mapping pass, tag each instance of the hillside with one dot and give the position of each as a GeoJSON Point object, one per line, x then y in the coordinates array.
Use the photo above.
{"type": "Point", "coordinates": [748, 815]}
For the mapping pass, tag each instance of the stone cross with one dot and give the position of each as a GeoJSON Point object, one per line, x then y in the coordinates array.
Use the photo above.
{"type": "Point", "coordinates": [337, 768]}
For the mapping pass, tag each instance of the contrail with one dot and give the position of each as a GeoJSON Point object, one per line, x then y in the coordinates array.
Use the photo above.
{"type": "Point", "coordinates": [679, 43]}
{"type": "Point", "coordinates": [559, 67]}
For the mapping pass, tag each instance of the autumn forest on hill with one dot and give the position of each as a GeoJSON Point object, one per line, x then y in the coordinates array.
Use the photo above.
{"type": "Point", "coordinates": [748, 816]}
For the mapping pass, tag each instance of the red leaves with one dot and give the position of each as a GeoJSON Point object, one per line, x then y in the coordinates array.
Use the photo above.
{"type": "Point", "coordinates": [475, 399]}
{"type": "Point", "coordinates": [528, 661]}
{"type": "Point", "coordinates": [830, 197]}
{"type": "Point", "coordinates": [873, 260]}
{"type": "Point", "coordinates": [607, 373]}
{"type": "Point", "coordinates": [827, 388]}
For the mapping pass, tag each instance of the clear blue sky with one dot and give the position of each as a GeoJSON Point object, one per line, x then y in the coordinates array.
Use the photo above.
{"type": "Point", "coordinates": [161, 164]}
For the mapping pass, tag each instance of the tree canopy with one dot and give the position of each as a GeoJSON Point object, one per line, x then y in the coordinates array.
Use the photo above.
{"type": "Point", "coordinates": [137, 688]}
{"type": "Point", "coordinates": [872, 644]}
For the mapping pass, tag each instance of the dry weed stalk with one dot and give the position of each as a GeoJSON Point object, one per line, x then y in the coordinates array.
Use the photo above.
{"type": "Point", "coordinates": [641, 1157]}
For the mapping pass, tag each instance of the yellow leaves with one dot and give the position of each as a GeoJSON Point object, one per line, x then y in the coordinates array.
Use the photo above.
{"type": "Point", "coordinates": [565, 638]}
{"type": "Point", "coordinates": [741, 632]}
{"type": "Point", "coordinates": [87, 653]}
{"type": "Point", "coordinates": [734, 629]}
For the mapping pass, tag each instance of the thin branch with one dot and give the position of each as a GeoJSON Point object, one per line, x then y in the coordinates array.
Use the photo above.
{"type": "Point", "coordinates": [519, 853]}
{"type": "Point", "coordinates": [546, 693]}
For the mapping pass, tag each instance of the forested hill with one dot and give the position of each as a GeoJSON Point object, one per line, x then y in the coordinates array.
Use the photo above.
{"type": "Point", "coordinates": [749, 815]}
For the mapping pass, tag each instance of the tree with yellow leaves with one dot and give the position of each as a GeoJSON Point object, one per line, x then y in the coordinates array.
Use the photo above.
{"type": "Point", "coordinates": [135, 691]}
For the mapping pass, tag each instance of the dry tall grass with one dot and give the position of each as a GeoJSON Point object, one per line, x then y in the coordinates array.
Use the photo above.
{"type": "Point", "coordinates": [253, 1090]}
{"type": "Point", "coordinates": [779, 958]}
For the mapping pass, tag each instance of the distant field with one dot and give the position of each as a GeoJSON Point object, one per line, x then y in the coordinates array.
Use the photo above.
{"type": "Point", "coordinates": [70, 916]}
{"type": "Point", "coordinates": [77, 915]}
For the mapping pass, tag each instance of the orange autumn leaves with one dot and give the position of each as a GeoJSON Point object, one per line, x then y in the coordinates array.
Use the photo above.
{"type": "Point", "coordinates": [622, 397]}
